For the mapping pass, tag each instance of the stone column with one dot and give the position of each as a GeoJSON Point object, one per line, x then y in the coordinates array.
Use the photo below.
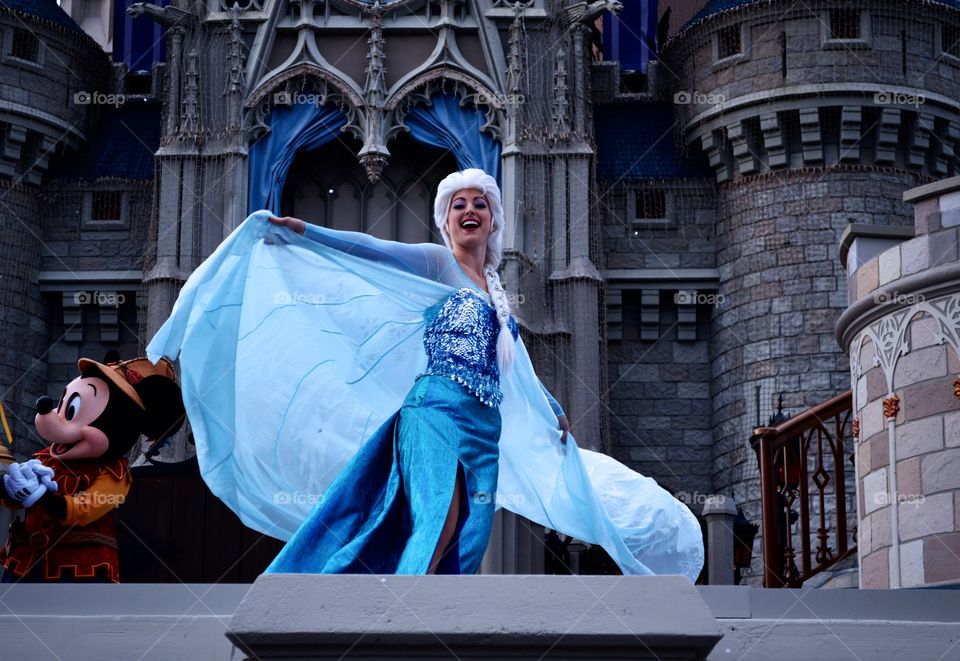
{"type": "Point", "coordinates": [720, 511]}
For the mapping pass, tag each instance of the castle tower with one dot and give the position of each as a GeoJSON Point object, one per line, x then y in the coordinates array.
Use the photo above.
{"type": "Point", "coordinates": [811, 117]}
{"type": "Point", "coordinates": [46, 117]}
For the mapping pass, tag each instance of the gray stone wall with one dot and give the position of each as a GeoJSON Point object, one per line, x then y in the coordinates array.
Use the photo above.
{"type": "Point", "coordinates": [783, 289]}
{"type": "Point", "coordinates": [659, 404]}
{"type": "Point", "coordinates": [659, 390]}
{"type": "Point", "coordinates": [686, 241]}
{"type": "Point", "coordinates": [74, 241]}
{"type": "Point", "coordinates": [23, 316]}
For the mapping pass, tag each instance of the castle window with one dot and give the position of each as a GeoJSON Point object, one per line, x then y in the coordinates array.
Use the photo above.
{"type": "Point", "coordinates": [845, 24]}
{"type": "Point", "coordinates": [651, 204]}
{"type": "Point", "coordinates": [106, 205]}
{"type": "Point", "coordinates": [845, 28]}
{"type": "Point", "coordinates": [950, 40]}
{"type": "Point", "coordinates": [729, 42]}
{"type": "Point", "coordinates": [25, 45]}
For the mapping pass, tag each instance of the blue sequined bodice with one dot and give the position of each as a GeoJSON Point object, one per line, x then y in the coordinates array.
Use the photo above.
{"type": "Point", "coordinates": [461, 343]}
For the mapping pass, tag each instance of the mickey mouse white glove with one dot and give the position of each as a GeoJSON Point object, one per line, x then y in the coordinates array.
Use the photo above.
{"type": "Point", "coordinates": [24, 485]}
{"type": "Point", "coordinates": [44, 474]}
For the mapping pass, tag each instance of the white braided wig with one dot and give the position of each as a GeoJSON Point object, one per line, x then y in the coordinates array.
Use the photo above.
{"type": "Point", "coordinates": [480, 180]}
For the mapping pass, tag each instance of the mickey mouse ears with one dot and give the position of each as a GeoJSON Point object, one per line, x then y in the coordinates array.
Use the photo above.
{"type": "Point", "coordinates": [129, 372]}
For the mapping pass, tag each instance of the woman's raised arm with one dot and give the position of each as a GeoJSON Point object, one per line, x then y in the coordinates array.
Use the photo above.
{"type": "Point", "coordinates": [424, 259]}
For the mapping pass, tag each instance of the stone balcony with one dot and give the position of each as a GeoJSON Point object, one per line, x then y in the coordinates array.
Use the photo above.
{"type": "Point", "coordinates": [475, 617]}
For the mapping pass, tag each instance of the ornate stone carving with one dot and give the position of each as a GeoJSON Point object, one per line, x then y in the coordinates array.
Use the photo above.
{"type": "Point", "coordinates": [585, 14]}
{"type": "Point", "coordinates": [561, 105]}
{"type": "Point", "coordinates": [374, 154]}
{"type": "Point", "coordinates": [889, 334]}
{"type": "Point", "coordinates": [515, 50]}
{"type": "Point", "coordinates": [375, 111]}
{"type": "Point", "coordinates": [169, 16]}
{"type": "Point", "coordinates": [891, 406]}
{"type": "Point", "coordinates": [190, 116]}
{"type": "Point", "coordinates": [230, 5]}
{"type": "Point", "coordinates": [235, 84]}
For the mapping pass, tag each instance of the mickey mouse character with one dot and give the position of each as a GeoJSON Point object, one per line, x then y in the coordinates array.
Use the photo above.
{"type": "Point", "coordinates": [69, 488]}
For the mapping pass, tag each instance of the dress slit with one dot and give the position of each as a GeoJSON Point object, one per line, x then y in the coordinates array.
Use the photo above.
{"type": "Point", "coordinates": [449, 562]}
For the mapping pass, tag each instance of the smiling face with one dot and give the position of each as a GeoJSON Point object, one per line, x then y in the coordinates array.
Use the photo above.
{"type": "Point", "coordinates": [67, 427]}
{"type": "Point", "coordinates": [469, 221]}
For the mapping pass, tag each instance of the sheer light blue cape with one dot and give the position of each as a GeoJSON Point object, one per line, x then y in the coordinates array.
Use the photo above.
{"type": "Point", "coordinates": [293, 352]}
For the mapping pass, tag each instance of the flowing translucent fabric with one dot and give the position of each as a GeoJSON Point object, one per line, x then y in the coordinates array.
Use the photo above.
{"type": "Point", "coordinates": [293, 353]}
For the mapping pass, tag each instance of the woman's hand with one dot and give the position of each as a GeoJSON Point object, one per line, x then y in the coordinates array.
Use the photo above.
{"type": "Point", "coordinates": [294, 224]}
{"type": "Point", "coordinates": [565, 426]}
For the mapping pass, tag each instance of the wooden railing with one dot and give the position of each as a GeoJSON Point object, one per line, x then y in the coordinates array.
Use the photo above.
{"type": "Point", "coordinates": [801, 459]}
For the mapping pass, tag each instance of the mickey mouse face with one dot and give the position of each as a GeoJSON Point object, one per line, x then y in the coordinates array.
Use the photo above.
{"type": "Point", "coordinates": [68, 426]}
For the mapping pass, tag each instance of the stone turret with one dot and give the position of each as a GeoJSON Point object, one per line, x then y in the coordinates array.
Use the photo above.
{"type": "Point", "coordinates": [810, 117]}
{"type": "Point", "coordinates": [54, 75]}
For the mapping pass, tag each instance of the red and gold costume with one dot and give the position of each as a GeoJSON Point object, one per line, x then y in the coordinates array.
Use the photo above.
{"type": "Point", "coordinates": [84, 539]}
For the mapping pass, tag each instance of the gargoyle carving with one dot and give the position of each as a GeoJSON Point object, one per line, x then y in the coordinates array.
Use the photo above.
{"type": "Point", "coordinates": [586, 14]}
{"type": "Point", "coordinates": [168, 16]}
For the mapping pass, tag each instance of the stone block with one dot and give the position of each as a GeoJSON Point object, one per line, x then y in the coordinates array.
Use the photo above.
{"type": "Point", "coordinates": [951, 429]}
{"type": "Point", "coordinates": [871, 419]}
{"type": "Point", "coordinates": [928, 515]}
{"type": "Point", "coordinates": [880, 528]}
{"type": "Point", "coordinates": [867, 353]}
{"type": "Point", "coordinates": [908, 477]}
{"type": "Point", "coordinates": [941, 558]}
{"type": "Point", "coordinates": [694, 390]}
{"type": "Point", "coordinates": [943, 247]}
{"type": "Point", "coordinates": [941, 471]}
{"type": "Point", "coordinates": [919, 437]}
{"type": "Point", "coordinates": [923, 332]}
{"type": "Point", "coordinates": [521, 616]}
{"type": "Point", "coordinates": [868, 277]}
{"type": "Point", "coordinates": [928, 398]}
{"type": "Point", "coordinates": [865, 534]}
{"type": "Point", "coordinates": [876, 384]}
{"type": "Point", "coordinates": [875, 570]}
{"type": "Point", "coordinates": [920, 365]}
{"type": "Point", "coordinates": [911, 564]}
{"type": "Point", "coordinates": [914, 255]}
{"type": "Point", "coordinates": [863, 460]}
{"type": "Point", "coordinates": [889, 265]}
{"type": "Point", "coordinates": [875, 490]}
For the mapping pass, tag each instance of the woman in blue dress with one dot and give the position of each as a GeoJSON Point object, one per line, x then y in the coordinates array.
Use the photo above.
{"type": "Point", "coordinates": [442, 444]}
{"type": "Point", "coordinates": [400, 396]}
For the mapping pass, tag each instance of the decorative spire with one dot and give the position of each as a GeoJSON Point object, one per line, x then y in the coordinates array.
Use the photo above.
{"type": "Point", "coordinates": [515, 50]}
{"type": "Point", "coordinates": [561, 105]}
{"type": "Point", "coordinates": [235, 74]}
{"type": "Point", "coordinates": [374, 154]}
{"type": "Point", "coordinates": [190, 118]}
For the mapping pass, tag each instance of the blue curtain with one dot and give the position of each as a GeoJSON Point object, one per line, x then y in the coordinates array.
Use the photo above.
{"type": "Point", "coordinates": [139, 42]}
{"type": "Point", "coordinates": [295, 128]}
{"type": "Point", "coordinates": [631, 37]}
{"type": "Point", "coordinates": [447, 125]}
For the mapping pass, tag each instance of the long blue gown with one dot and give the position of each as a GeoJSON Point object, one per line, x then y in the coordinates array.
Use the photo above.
{"type": "Point", "coordinates": [300, 359]}
{"type": "Point", "coordinates": [383, 514]}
